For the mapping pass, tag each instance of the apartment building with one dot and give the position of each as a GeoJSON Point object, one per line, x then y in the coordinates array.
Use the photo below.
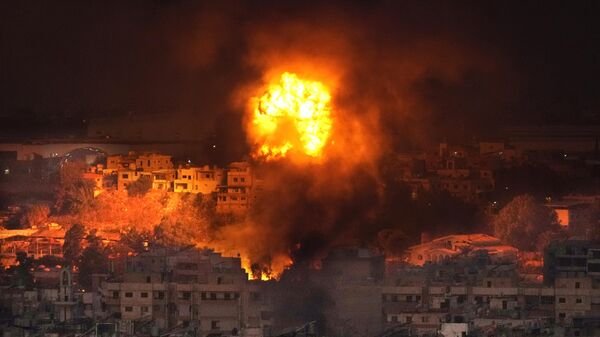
{"type": "Point", "coordinates": [127, 177]}
{"type": "Point", "coordinates": [204, 180]}
{"type": "Point", "coordinates": [138, 161]}
{"type": "Point", "coordinates": [239, 191]}
{"type": "Point", "coordinates": [195, 289]}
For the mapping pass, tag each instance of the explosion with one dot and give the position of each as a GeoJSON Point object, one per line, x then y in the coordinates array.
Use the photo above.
{"type": "Point", "coordinates": [292, 115]}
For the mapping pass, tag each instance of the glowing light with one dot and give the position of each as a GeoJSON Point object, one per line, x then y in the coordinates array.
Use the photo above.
{"type": "Point", "coordinates": [292, 115]}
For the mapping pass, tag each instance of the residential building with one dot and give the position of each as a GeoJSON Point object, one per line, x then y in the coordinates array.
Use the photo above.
{"type": "Point", "coordinates": [449, 246]}
{"type": "Point", "coordinates": [204, 180]}
{"type": "Point", "coordinates": [197, 289]}
{"type": "Point", "coordinates": [237, 195]}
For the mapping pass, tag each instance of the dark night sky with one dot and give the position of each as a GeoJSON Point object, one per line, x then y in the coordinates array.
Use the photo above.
{"type": "Point", "coordinates": [535, 61]}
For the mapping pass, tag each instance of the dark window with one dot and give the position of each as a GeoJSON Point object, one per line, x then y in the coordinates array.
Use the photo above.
{"type": "Point", "coordinates": [577, 285]}
{"type": "Point", "coordinates": [214, 325]}
{"type": "Point", "coordinates": [547, 299]}
{"type": "Point", "coordinates": [128, 294]}
{"type": "Point", "coordinates": [144, 295]}
{"type": "Point", "coordinates": [564, 262]}
{"type": "Point", "coordinates": [213, 296]}
{"type": "Point", "coordinates": [408, 319]}
{"type": "Point", "coordinates": [148, 279]}
{"type": "Point", "coordinates": [129, 309]}
{"type": "Point", "coordinates": [203, 296]}
{"type": "Point", "coordinates": [489, 284]}
{"type": "Point", "coordinates": [578, 300]}
{"type": "Point", "coordinates": [115, 294]}
{"type": "Point", "coordinates": [561, 300]}
{"type": "Point", "coordinates": [594, 267]}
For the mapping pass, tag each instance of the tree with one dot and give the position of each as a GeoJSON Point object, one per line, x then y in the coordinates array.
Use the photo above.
{"type": "Point", "coordinates": [93, 260]}
{"type": "Point", "coordinates": [523, 222]}
{"type": "Point", "coordinates": [186, 224]}
{"type": "Point", "coordinates": [24, 276]}
{"type": "Point", "coordinates": [74, 193]}
{"type": "Point", "coordinates": [35, 216]}
{"type": "Point", "coordinates": [137, 240]}
{"type": "Point", "coordinates": [72, 246]}
{"type": "Point", "coordinates": [140, 187]}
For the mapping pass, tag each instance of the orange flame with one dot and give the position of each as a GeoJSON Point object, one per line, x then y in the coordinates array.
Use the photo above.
{"type": "Point", "coordinates": [292, 115]}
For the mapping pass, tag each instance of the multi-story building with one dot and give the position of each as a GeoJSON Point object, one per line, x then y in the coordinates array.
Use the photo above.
{"type": "Point", "coordinates": [127, 177]}
{"type": "Point", "coordinates": [163, 179]}
{"type": "Point", "coordinates": [129, 168]}
{"type": "Point", "coordinates": [204, 180]}
{"type": "Point", "coordinates": [240, 189]}
{"type": "Point", "coordinates": [195, 289]}
{"type": "Point", "coordinates": [149, 162]}
{"type": "Point", "coordinates": [143, 162]}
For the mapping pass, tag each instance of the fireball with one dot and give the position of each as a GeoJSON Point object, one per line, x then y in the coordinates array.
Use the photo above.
{"type": "Point", "coordinates": [293, 115]}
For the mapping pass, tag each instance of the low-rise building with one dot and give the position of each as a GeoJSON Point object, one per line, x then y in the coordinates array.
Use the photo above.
{"type": "Point", "coordinates": [449, 246]}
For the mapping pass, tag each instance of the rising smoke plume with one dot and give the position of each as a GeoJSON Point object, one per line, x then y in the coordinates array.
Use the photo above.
{"type": "Point", "coordinates": [380, 84]}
